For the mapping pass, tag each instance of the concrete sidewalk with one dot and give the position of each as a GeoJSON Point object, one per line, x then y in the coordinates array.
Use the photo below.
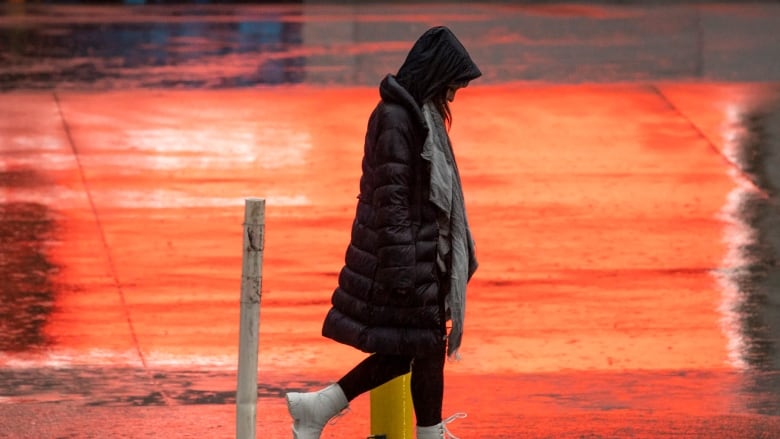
{"type": "Point", "coordinates": [603, 305]}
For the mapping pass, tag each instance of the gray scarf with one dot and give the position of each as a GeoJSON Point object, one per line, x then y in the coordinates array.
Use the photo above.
{"type": "Point", "coordinates": [455, 238]}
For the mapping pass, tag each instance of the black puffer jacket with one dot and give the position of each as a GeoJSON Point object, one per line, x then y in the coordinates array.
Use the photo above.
{"type": "Point", "coordinates": [388, 297]}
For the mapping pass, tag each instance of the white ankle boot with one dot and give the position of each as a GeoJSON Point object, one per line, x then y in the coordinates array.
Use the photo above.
{"type": "Point", "coordinates": [439, 431]}
{"type": "Point", "coordinates": [432, 432]}
{"type": "Point", "coordinates": [311, 411]}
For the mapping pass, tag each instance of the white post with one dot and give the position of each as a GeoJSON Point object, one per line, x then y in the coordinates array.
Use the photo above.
{"type": "Point", "coordinates": [251, 290]}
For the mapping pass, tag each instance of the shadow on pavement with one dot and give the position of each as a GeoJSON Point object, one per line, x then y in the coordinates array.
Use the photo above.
{"type": "Point", "coordinates": [27, 291]}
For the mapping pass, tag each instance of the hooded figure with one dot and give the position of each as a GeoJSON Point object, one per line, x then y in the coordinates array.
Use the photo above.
{"type": "Point", "coordinates": [411, 252]}
{"type": "Point", "coordinates": [390, 299]}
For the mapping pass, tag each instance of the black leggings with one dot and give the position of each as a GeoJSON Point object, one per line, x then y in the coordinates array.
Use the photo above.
{"type": "Point", "coordinates": [427, 381]}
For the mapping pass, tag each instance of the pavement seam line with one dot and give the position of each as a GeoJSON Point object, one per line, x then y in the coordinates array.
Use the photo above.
{"type": "Point", "coordinates": [709, 141]}
{"type": "Point", "coordinates": [168, 400]}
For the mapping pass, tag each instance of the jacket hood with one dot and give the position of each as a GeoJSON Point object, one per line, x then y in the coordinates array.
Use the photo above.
{"type": "Point", "coordinates": [435, 61]}
{"type": "Point", "coordinates": [391, 91]}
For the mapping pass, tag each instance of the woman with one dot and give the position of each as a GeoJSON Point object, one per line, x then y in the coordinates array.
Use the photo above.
{"type": "Point", "coordinates": [411, 252]}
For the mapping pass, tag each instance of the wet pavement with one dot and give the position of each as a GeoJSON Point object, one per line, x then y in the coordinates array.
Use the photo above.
{"type": "Point", "coordinates": [216, 47]}
{"type": "Point", "coordinates": [620, 165]}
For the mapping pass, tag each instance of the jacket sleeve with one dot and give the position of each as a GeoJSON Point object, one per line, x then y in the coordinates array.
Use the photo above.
{"type": "Point", "coordinates": [395, 240]}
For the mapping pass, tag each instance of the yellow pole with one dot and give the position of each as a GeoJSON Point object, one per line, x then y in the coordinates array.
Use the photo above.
{"type": "Point", "coordinates": [391, 409]}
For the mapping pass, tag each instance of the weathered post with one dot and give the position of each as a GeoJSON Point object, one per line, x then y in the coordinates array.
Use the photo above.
{"type": "Point", "coordinates": [248, 340]}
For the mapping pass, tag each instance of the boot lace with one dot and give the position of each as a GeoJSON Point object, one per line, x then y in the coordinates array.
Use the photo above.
{"type": "Point", "coordinates": [447, 433]}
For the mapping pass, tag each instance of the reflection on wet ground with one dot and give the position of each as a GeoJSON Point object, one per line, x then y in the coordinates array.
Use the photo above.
{"type": "Point", "coordinates": [756, 279]}
{"type": "Point", "coordinates": [752, 271]}
{"type": "Point", "coordinates": [206, 46]}
{"type": "Point", "coordinates": [159, 54]}
{"type": "Point", "coordinates": [578, 322]}
{"type": "Point", "coordinates": [27, 292]}
{"type": "Point", "coordinates": [117, 386]}
{"type": "Point", "coordinates": [628, 233]}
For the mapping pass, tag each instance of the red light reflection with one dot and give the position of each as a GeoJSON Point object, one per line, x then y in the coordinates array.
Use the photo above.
{"type": "Point", "coordinates": [595, 210]}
